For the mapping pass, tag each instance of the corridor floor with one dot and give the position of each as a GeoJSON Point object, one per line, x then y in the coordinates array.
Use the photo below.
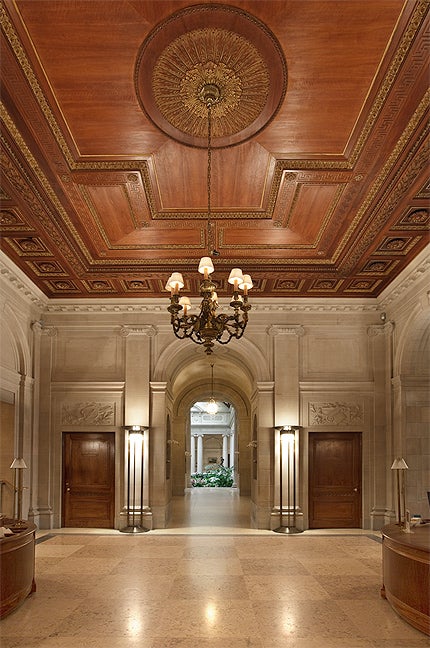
{"type": "Point", "coordinates": [207, 586]}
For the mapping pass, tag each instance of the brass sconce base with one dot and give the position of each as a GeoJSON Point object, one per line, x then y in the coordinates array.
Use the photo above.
{"type": "Point", "coordinates": [287, 530]}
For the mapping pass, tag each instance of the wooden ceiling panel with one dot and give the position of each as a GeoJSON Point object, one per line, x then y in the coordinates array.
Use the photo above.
{"type": "Point", "coordinates": [330, 198]}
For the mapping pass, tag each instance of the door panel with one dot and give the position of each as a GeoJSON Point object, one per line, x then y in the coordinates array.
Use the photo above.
{"type": "Point", "coordinates": [334, 480]}
{"type": "Point", "coordinates": [88, 479]}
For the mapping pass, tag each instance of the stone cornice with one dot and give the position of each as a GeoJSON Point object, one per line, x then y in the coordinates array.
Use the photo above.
{"type": "Point", "coordinates": [24, 288]}
{"type": "Point", "coordinates": [406, 282]}
{"type": "Point", "coordinates": [20, 284]}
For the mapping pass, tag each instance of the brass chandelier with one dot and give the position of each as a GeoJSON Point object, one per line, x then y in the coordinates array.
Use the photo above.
{"type": "Point", "coordinates": [207, 327]}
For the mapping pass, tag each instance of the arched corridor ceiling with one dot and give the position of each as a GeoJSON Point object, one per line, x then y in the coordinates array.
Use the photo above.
{"type": "Point", "coordinates": [320, 190]}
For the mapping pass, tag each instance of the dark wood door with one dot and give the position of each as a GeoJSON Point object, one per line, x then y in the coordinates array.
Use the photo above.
{"type": "Point", "coordinates": [88, 480]}
{"type": "Point", "coordinates": [334, 480]}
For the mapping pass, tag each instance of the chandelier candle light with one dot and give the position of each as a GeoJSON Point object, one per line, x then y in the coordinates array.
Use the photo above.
{"type": "Point", "coordinates": [208, 327]}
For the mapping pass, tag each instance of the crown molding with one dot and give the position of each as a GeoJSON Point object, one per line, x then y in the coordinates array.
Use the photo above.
{"type": "Point", "coordinates": [401, 287]}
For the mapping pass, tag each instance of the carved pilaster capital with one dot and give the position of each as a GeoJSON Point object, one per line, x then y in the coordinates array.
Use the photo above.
{"type": "Point", "coordinates": [49, 331]}
{"type": "Point", "coordinates": [279, 329]}
{"type": "Point", "coordinates": [380, 329]}
{"type": "Point", "coordinates": [147, 329]}
{"type": "Point", "coordinates": [37, 327]}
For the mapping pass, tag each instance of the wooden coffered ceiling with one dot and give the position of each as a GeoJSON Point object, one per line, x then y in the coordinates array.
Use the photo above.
{"type": "Point", "coordinates": [326, 193]}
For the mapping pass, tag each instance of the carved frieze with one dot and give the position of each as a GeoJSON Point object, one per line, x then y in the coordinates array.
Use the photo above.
{"type": "Point", "coordinates": [335, 413]}
{"type": "Point", "coordinates": [88, 413]}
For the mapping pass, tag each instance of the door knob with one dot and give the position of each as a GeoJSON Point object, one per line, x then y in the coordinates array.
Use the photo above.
{"type": "Point", "coordinates": [355, 490]}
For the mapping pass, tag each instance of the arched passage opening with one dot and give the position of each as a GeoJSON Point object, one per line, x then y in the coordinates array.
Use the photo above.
{"type": "Point", "coordinates": [181, 379]}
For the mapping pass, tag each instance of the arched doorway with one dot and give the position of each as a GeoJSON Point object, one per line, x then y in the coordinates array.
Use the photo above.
{"type": "Point", "coordinates": [182, 377]}
{"type": "Point", "coordinates": [212, 442]}
{"type": "Point", "coordinates": [201, 441]}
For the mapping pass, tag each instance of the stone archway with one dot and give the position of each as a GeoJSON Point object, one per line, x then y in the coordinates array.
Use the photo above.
{"type": "Point", "coordinates": [180, 377]}
{"type": "Point", "coordinates": [181, 433]}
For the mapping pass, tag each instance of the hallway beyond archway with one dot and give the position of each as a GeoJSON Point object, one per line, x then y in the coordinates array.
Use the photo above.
{"type": "Point", "coordinates": [206, 508]}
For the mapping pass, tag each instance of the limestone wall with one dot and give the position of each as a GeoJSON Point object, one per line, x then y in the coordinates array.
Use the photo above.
{"type": "Point", "coordinates": [330, 365]}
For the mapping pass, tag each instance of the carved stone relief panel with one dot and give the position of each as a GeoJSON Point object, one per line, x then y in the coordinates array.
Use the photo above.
{"type": "Point", "coordinates": [335, 413]}
{"type": "Point", "coordinates": [88, 413]}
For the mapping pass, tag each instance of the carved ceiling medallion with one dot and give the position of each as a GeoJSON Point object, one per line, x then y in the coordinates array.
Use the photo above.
{"type": "Point", "coordinates": [211, 56]}
{"type": "Point", "coordinates": [246, 64]}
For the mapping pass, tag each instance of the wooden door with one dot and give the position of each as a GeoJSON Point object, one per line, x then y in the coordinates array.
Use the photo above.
{"type": "Point", "coordinates": [334, 480]}
{"type": "Point", "coordinates": [88, 480]}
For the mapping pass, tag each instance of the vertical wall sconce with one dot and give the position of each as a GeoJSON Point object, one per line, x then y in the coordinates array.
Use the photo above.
{"type": "Point", "coordinates": [135, 477]}
{"type": "Point", "coordinates": [287, 473]}
{"type": "Point", "coordinates": [18, 465]}
{"type": "Point", "coordinates": [400, 465]}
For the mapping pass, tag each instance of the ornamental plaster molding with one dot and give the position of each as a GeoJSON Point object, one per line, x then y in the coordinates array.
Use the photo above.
{"type": "Point", "coordinates": [88, 413]}
{"type": "Point", "coordinates": [380, 329]}
{"type": "Point", "coordinates": [276, 329]}
{"type": "Point", "coordinates": [148, 330]}
{"type": "Point", "coordinates": [21, 285]}
{"type": "Point", "coordinates": [336, 413]}
{"type": "Point", "coordinates": [49, 331]}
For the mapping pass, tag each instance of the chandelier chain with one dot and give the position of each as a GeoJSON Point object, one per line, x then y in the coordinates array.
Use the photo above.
{"type": "Point", "coordinates": [209, 177]}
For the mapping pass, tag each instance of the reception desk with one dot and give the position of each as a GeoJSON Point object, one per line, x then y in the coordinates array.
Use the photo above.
{"type": "Point", "coordinates": [406, 573]}
{"type": "Point", "coordinates": [16, 566]}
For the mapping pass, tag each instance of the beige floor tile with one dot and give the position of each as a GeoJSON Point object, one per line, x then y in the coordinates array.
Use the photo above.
{"type": "Point", "coordinates": [46, 550]}
{"type": "Point", "coordinates": [130, 619]}
{"type": "Point", "coordinates": [299, 588]}
{"type": "Point", "coordinates": [209, 581]}
{"type": "Point", "coordinates": [351, 587]}
{"type": "Point", "coordinates": [287, 620]}
{"type": "Point", "coordinates": [209, 619]}
{"type": "Point", "coordinates": [211, 567]}
{"type": "Point", "coordinates": [375, 618]}
{"type": "Point", "coordinates": [219, 588]}
{"type": "Point", "coordinates": [341, 566]}
{"type": "Point", "coordinates": [286, 567]}
{"type": "Point", "coordinates": [206, 642]}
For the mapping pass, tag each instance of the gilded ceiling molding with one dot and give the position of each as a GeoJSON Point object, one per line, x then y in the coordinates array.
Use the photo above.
{"type": "Point", "coordinates": [391, 195]}
{"type": "Point", "coordinates": [402, 51]}
{"type": "Point", "coordinates": [211, 45]}
{"type": "Point", "coordinates": [216, 56]}
{"type": "Point", "coordinates": [16, 174]}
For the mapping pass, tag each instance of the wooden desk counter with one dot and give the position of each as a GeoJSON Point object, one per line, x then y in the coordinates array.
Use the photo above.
{"type": "Point", "coordinates": [16, 567]}
{"type": "Point", "coordinates": [406, 573]}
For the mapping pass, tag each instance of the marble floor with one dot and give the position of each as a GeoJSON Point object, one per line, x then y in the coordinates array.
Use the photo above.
{"type": "Point", "coordinates": [209, 581]}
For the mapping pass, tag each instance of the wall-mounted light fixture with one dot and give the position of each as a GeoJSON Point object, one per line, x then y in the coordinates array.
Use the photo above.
{"type": "Point", "coordinates": [400, 465]}
{"type": "Point", "coordinates": [287, 474]}
{"type": "Point", "coordinates": [135, 479]}
{"type": "Point", "coordinates": [18, 465]}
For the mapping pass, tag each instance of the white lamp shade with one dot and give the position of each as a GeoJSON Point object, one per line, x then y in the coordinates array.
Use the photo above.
{"type": "Point", "coordinates": [18, 463]}
{"type": "Point", "coordinates": [399, 464]}
{"type": "Point", "coordinates": [246, 283]}
{"type": "Point", "coordinates": [185, 301]}
{"type": "Point", "coordinates": [206, 264]}
{"type": "Point", "coordinates": [235, 276]}
{"type": "Point", "coordinates": [176, 281]}
{"type": "Point", "coordinates": [168, 286]}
